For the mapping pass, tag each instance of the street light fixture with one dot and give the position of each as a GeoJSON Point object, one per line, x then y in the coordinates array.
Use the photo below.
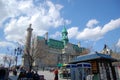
{"type": "Point", "coordinates": [18, 51]}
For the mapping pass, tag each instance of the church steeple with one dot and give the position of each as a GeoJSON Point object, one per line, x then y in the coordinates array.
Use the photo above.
{"type": "Point", "coordinates": [65, 36]}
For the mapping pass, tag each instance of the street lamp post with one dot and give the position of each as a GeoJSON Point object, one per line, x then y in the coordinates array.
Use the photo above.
{"type": "Point", "coordinates": [63, 56]}
{"type": "Point", "coordinates": [66, 54]}
{"type": "Point", "coordinates": [18, 51]}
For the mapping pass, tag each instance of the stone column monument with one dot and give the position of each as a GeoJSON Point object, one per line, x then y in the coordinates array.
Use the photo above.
{"type": "Point", "coordinates": [26, 55]}
{"type": "Point", "coordinates": [28, 38]}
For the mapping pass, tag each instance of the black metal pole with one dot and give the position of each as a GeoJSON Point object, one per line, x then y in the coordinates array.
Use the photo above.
{"type": "Point", "coordinates": [17, 52]}
{"type": "Point", "coordinates": [15, 56]}
{"type": "Point", "coordinates": [16, 60]}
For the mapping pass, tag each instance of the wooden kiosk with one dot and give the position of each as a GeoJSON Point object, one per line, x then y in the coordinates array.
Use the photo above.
{"type": "Point", "coordinates": [101, 64]}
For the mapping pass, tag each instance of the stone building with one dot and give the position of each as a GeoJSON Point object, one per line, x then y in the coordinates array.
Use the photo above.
{"type": "Point", "coordinates": [51, 52]}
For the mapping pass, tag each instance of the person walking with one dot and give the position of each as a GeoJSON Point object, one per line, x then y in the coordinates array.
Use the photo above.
{"type": "Point", "coordinates": [56, 74]}
{"type": "Point", "coordinates": [36, 76]}
{"type": "Point", "coordinates": [15, 72]}
{"type": "Point", "coordinates": [22, 76]}
{"type": "Point", "coordinates": [2, 74]}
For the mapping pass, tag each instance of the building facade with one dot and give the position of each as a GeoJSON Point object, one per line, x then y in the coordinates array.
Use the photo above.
{"type": "Point", "coordinates": [51, 52]}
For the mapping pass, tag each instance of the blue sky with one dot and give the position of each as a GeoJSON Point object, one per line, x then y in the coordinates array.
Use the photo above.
{"type": "Point", "coordinates": [92, 22]}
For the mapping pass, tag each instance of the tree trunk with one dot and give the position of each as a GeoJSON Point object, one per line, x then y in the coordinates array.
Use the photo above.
{"type": "Point", "coordinates": [30, 62]}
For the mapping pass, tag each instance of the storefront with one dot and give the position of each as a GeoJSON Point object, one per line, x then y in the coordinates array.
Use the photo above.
{"type": "Point", "coordinates": [101, 65]}
{"type": "Point", "coordinates": [117, 69]}
{"type": "Point", "coordinates": [76, 71]}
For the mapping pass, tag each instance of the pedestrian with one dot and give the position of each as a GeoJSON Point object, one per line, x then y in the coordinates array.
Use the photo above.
{"type": "Point", "coordinates": [29, 75]}
{"type": "Point", "coordinates": [22, 75]}
{"type": "Point", "coordinates": [22, 69]}
{"type": "Point", "coordinates": [36, 76]}
{"type": "Point", "coordinates": [15, 72]}
{"type": "Point", "coordinates": [56, 74]}
{"type": "Point", "coordinates": [2, 74]}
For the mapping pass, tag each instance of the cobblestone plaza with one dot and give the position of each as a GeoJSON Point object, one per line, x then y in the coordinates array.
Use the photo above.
{"type": "Point", "coordinates": [47, 75]}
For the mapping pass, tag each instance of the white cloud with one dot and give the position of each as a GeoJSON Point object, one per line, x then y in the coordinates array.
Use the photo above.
{"type": "Point", "coordinates": [57, 34]}
{"type": "Point", "coordinates": [118, 43]}
{"type": "Point", "coordinates": [6, 44]}
{"type": "Point", "coordinates": [3, 12]}
{"type": "Point", "coordinates": [72, 32]}
{"type": "Point", "coordinates": [43, 17]}
{"type": "Point", "coordinates": [8, 8]}
{"type": "Point", "coordinates": [90, 34]}
{"type": "Point", "coordinates": [15, 29]}
{"type": "Point", "coordinates": [91, 23]}
{"type": "Point", "coordinates": [113, 24]}
{"type": "Point", "coordinates": [93, 33]}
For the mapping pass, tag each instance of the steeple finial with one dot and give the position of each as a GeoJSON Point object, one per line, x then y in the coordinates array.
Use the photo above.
{"type": "Point", "coordinates": [65, 36]}
{"type": "Point", "coordinates": [30, 25]}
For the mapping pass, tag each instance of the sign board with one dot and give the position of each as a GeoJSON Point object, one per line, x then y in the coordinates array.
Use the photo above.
{"type": "Point", "coordinates": [94, 67]}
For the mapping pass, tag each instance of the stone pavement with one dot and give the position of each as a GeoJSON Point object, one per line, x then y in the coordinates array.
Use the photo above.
{"type": "Point", "coordinates": [47, 75]}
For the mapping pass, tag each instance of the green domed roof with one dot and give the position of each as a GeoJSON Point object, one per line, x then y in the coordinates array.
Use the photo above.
{"type": "Point", "coordinates": [64, 30]}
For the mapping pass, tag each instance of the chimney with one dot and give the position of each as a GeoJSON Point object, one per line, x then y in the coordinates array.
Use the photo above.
{"type": "Point", "coordinates": [79, 44]}
{"type": "Point", "coordinates": [105, 46]}
{"type": "Point", "coordinates": [46, 36]}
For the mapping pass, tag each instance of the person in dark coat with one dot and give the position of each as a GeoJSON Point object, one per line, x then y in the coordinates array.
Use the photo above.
{"type": "Point", "coordinates": [21, 75]}
{"type": "Point", "coordinates": [2, 74]}
{"type": "Point", "coordinates": [36, 76]}
{"type": "Point", "coordinates": [15, 72]}
{"type": "Point", "coordinates": [56, 74]}
{"type": "Point", "coordinates": [29, 75]}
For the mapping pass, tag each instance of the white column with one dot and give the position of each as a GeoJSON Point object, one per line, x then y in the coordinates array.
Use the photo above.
{"type": "Point", "coordinates": [116, 71]}
{"type": "Point", "coordinates": [104, 71]}
{"type": "Point", "coordinates": [110, 72]}
{"type": "Point", "coordinates": [101, 71]}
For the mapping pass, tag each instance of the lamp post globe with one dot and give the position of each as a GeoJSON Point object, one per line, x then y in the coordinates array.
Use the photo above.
{"type": "Point", "coordinates": [17, 51]}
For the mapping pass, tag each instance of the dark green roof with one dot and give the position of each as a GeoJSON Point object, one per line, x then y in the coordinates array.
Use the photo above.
{"type": "Point", "coordinates": [59, 44]}
{"type": "Point", "coordinates": [78, 49]}
{"type": "Point", "coordinates": [55, 44]}
{"type": "Point", "coordinates": [40, 38]}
